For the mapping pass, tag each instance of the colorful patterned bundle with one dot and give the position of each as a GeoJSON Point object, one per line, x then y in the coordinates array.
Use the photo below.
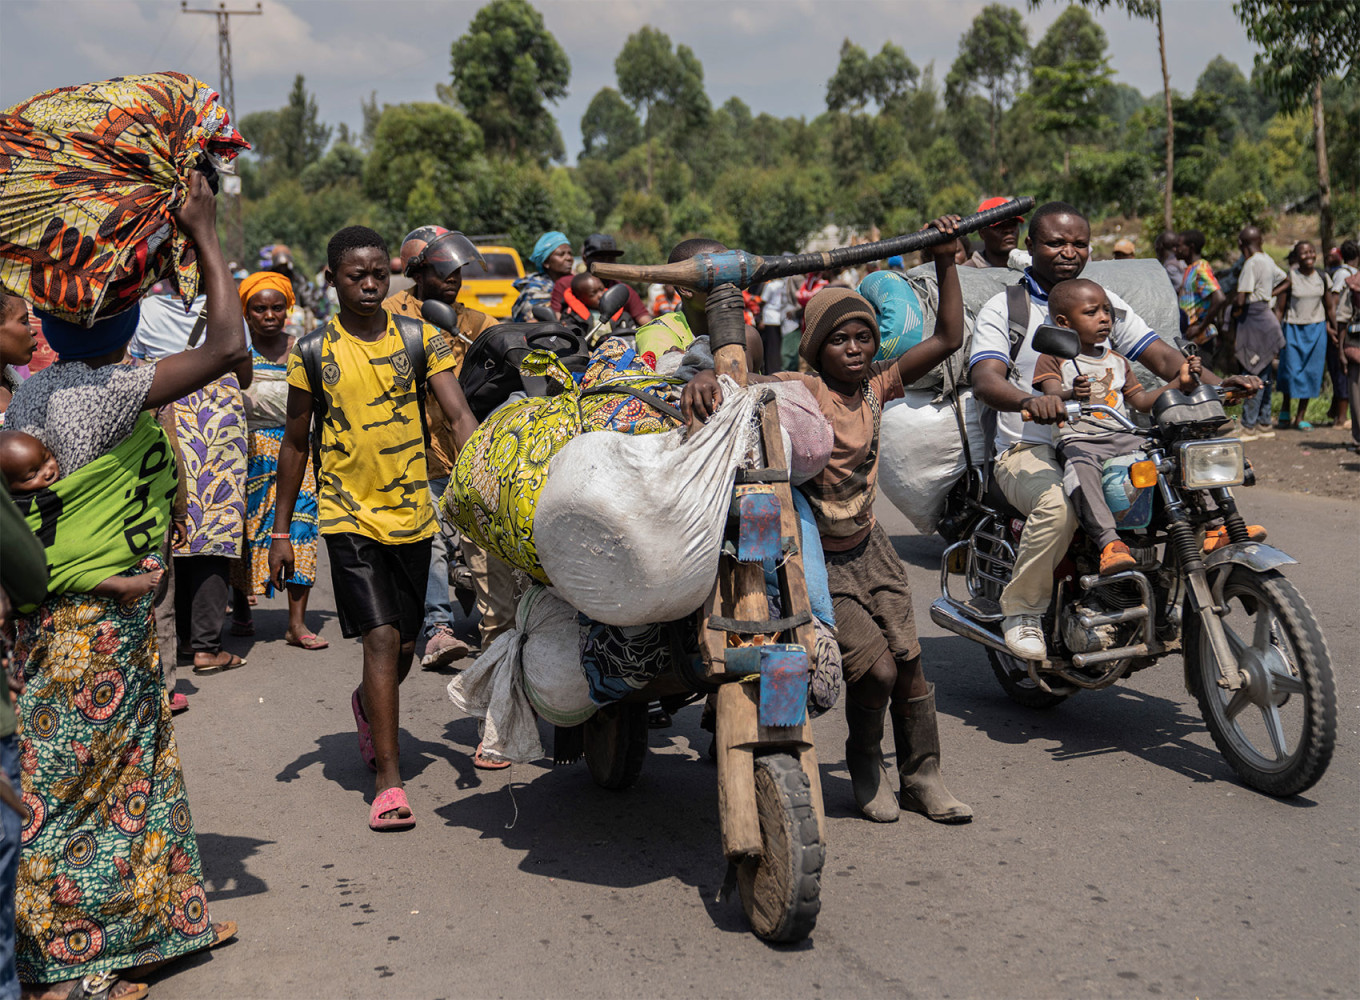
{"type": "Point", "coordinates": [502, 469]}
{"type": "Point", "coordinates": [88, 178]}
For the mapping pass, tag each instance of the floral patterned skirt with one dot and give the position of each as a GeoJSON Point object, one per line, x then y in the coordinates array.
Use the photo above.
{"type": "Point", "coordinates": [109, 874]}
{"type": "Point", "coordinates": [250, 573]}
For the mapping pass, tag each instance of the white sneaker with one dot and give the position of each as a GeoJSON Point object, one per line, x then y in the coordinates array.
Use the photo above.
{"type": "Point", "coordinates": [1024, 637]}
{"type": "Point", "coordinates": [1266, 433]}
{"type": "Point", "coordinates": [1247, 435]}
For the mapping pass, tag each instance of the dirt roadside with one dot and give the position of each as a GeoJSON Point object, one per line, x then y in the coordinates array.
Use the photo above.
{"type": "Point", "coordinates": [1315, 462]}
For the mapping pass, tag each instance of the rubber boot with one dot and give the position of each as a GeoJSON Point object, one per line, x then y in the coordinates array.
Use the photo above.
{"type": "Point", "coordinates": [869, 774]}
{"type": "Point", "coordinates": [916, 734]}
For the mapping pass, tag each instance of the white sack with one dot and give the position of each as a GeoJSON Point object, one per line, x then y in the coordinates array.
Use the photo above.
{"type": "Point", "coordinates": [920, 454]}
{"type": "Point", "coordinates": [629, 529]}
{"type": "Point", "coordinates": [534, 666]}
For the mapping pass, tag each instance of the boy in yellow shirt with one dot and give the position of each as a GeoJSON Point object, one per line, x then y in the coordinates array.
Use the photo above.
{"type": "Point", "coordinates": [375, 514]}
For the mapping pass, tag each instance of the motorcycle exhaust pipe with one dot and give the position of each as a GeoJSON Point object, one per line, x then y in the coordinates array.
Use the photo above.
{"type": "Point", "coordinates": [946, 614]}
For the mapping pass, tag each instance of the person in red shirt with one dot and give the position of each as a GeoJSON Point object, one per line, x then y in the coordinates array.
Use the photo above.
{"type": "Point", "coordinates": [599, 247]}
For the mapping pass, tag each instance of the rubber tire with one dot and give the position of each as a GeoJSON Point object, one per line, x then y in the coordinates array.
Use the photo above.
{"type": "Point", "coordinates": [616, 745]}
{"type": "Point", "coordinates": [1022, 690]}
{"type": "Point", "coordinates": [781, 891]}
{"type": "Point", "coordinates": [1315, 671]}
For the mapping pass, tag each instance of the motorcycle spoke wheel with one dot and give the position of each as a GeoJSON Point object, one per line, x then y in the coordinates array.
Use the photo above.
{"type": "Point", "coordinates": [1278, 730]}
{"type": "Point", "coordinates": [1013, 675]}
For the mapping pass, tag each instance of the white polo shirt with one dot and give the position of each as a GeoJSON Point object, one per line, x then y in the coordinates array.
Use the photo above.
{"type": "Point", "coordinates": [1131, 336]}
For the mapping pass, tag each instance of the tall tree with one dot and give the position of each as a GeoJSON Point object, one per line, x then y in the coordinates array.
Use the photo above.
{"type": "Point", "coordinates": [1071, 75]}
{"type": "Point", "coordinates": [506, 69]}
{"type": "Point", "coordinates": [993, 53]}
{"type": "Point", "coordinates": [664, 85]}
{"type": "Point", "coordinates": [609, 128]}
{"type": "Point", "coordinates": [290, 139]}
{"type": "Point", "coordinates": [860, 80]}
{"type": "Point", "coordinates": [1148, 10]}
{"type": "Point", "coordinates": [1305, 42]}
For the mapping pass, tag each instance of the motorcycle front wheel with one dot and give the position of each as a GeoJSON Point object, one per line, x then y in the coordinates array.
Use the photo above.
{"type": "Point", "coordinates": [1278, 730]}
{"type": "Point", "coordinates": [1014, 677]}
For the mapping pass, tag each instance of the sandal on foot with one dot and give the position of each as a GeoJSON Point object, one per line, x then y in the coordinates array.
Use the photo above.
{"type": "Point", "coordinates": [242, 627]}
{"type": "Point", "coordinates": [488, 763]}
{"type": "Point", "coordinates": [309, 641]}
{"type": "Point", "coordinates": [100, 986]}
{"type": "Point", "coordinates": [366, 750]}
{"type": "Point", "coordinates": [391, 800]}
{"type": "Point", "coordinates": [178, 703]}
{"type": "Point", "coordinates": [221, 661]}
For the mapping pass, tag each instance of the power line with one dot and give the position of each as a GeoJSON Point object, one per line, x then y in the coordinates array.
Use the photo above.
{"type": "Point", "coordinates": [227, 87]}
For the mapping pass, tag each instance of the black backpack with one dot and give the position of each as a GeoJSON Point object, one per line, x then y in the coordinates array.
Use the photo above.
{"type": "Point", "coordinates": [491, 374]}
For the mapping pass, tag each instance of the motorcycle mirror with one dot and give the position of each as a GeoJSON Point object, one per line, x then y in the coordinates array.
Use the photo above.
{"type": "Point", "coordinates": [613, 300]}
{"type": "Point", "coordinates": [543, 314]}
{"type": "Point", "coordinates": [439, 314]}
{"type": "Point", "coordinates": [1057, 340]}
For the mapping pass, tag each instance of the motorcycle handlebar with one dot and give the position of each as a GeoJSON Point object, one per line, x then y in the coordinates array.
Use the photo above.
{"type": "Point", "coordinates": [1076, 410]}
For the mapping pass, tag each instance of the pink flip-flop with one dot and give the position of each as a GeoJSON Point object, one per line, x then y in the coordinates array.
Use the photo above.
{"type": "Point", "coordinates": [366, 750]}
{"type": "Point", "coordinates": [392, 800]}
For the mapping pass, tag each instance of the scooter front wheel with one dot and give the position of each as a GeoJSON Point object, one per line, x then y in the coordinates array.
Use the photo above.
{"type": "Point", "coordinates": [1279, 729]}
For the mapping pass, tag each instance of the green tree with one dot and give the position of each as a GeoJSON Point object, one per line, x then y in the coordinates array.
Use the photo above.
{"type": "Point", "coordinates": [1241, 102]}
{"type": "Point", "coordinates": [1148, 10]}
{"type": "Point", "coordinates": [1070, 76]}
{"type": "Point", "coordinates": [423, 154]}
{"type": "Point", "coordinates": [665, 86]}
{"type": "Point", "coordinates": [609, 128]}
{"type": "Point", "coordinates": [1305, 43]}
{"type": "Point", "coordinates": [290, 139]}
{"type": "Point", "coordinates": [506, 69]}
{"type": "Point", "coordinates": [860, 81]}
{"type": "Point", "coordinates": [992, 56]}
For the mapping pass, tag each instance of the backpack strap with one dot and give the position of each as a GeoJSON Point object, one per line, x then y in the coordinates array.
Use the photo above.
{"type": "Point", "coordinates": [1017, 329]}
{"type": "Point", "coordinates": [309, 349]}
{"type": "Point", "coordinates": [412, 332]}
{"type": "Point", "coordinates": [1017, 317]}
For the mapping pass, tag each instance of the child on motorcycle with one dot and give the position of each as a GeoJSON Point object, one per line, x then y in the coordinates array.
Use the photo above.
{"type": "Point", "coordinates": [1097, 375]}
{"type": "Point", "coordinates": [875, 625]}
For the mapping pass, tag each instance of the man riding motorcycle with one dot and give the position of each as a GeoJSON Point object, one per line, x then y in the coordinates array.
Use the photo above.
{"type": "Point", "coordinates": [1027, 468]}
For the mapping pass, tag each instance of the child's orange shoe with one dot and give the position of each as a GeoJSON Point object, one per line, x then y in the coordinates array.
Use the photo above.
{"type": "Point", "coordinates": [1116, 557]}
{"type": "Point", "coordinates": [1218, 537]}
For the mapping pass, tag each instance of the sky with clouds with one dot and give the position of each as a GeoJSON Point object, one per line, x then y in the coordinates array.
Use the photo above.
{"type": "Point", "coordinates": [776, 55]}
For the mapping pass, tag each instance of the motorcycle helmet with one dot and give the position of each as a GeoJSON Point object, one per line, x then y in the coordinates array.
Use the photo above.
{"type": "Point", "coordinates": [446, 254]}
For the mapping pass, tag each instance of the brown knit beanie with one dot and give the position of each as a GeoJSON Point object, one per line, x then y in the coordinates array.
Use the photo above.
{"type": "Point", "coordinates": [827, 310]}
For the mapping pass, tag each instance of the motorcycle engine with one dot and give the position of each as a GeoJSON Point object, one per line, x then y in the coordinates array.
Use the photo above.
{"type": "Point", "coordinates": [1079, 638]}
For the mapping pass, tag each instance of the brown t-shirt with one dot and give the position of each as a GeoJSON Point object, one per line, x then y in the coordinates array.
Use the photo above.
{"type": "Point", "coordinates": [842, 494]}
{"type": "Point", "coordinates": [471, 323]}
{"type": "Point", "coordinates": [1111, 378]}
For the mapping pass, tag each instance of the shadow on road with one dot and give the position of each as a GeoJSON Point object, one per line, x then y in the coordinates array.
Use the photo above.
{"type": "Point", "coordinates": [338, 755]}
{"type": "Point", "coordinates": [224, 866]}
{"type": "Point", "coordinates": [1116, 720]}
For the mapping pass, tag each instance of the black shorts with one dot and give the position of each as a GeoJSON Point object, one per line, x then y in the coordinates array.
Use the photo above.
{"type": "Point", "coordinates": [378, 583]}
{"type": "Point", "coordinates": [872, 601]}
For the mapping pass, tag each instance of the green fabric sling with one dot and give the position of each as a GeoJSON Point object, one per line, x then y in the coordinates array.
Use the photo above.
{"type": "Point", "coordinates": [109, 514]}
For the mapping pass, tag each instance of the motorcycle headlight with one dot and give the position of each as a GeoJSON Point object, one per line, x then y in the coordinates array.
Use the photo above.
{"type": "Point", "coordinates": [1211, 463]}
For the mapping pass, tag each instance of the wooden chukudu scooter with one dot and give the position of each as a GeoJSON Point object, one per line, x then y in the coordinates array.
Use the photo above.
{"type": "Point", "coordinates": [769, 788]}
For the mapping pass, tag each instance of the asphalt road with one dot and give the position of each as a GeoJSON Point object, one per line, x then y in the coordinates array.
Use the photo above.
{"type": "Point", "coordinates": [1113, 853]}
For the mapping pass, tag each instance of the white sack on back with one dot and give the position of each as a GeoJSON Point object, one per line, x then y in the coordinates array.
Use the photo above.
{"type": "Point", "coordinates": [629, 529]}
{"type": "Point", "coordinates": [920, 454]}
{"type": "Point", "coordinates": [534, 666]}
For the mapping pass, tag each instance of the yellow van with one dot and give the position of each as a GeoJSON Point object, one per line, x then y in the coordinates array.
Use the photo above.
{"type": "Point", "coordinates": [491, 289]}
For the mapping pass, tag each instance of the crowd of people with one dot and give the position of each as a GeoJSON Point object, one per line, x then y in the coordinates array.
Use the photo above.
{"type": "Point", "coordinates": [248, 439]}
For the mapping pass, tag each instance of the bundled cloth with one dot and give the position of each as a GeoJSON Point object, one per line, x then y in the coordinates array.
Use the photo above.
{"type": "Point", "coordinates": [921, 453]}
{"type": "Point", "coordinates": [89, 176]}
{"type": "Point", "coordinates": [629, 529]}
{"type": "Point", "coordinates": [106, 516]}
{"type": "Point", "coordinates": [534, 667]}
{"type": "Point", "coordinates": [501, 471]}
{"type": "Point", "coordinates": [907, 304]}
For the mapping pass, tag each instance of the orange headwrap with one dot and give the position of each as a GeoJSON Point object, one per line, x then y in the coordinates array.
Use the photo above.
{"type": "Point", "coordinates": [261, 280]}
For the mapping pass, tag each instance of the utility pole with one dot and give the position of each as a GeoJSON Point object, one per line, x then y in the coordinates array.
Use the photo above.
{"type": "Point", "coordinates": [231, 186]}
